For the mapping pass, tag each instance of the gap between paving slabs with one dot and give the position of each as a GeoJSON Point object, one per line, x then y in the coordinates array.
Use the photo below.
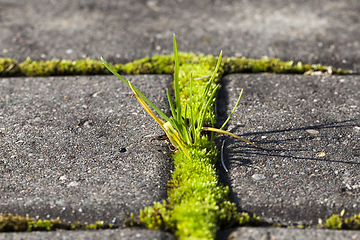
{"type": "Point", "coordinates": [195, 64]}
{"type": "Point", "coordinates": [156, 65]}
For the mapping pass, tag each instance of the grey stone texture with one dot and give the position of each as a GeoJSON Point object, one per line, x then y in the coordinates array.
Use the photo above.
{"type": "Point", "coordinates": [78, 148]}
{"type": "Point", "coordinates": [247, 233]}
{"type": "Point", "coordinates": [309, 128]}
{"type": "Point", "coordinates": [123, 234]}
{"type": "Point", "coordinates": [322, 31]}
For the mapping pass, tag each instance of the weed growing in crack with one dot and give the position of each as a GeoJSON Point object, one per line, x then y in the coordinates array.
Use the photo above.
{"type": "Point", "coordinates": [185, 126]}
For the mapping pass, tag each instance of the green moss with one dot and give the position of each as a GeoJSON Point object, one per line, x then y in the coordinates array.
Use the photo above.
{"type": "Point", "coordinates": [8, 67]}
{"type": "Point", "coordinates": [157, 217]}
{"type": "Point", "coordinates": [15, 223]}
{"type": "Point", "coordinates": [197, 204]}
{"type": "Point", "coordinates": [276, 225]}
{"type": "Point", "coordinates": [196, 193]}
{"type": "Point", "coordinates": [41, 68]}
{"type": "Point", "coordinates": [10, 223]}
{"type": "Point", "coordinates": [352, 223]}
{"type": "Point", "coordinates": [334, 222]}
{"type": "Point", "coordinates": [155, 65]}
{"type": "Point", "coordinates": [163, 64]}
{"type": "Point", "coordinates": [340, 222]}
{"type": "Point", "coordinates": [272, 65]}
{"type": "Point", "coordinates": [62, 67]}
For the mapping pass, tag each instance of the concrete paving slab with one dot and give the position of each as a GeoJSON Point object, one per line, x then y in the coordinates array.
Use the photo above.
{"type": "Point", "coordinates": [123, 234]}
{"type": "Point", "coordinates": [323, 31]}
{"type": "Point", "coordinates": [310, 126]}
{"type": "Point", "coordinates": [286, 234]}
{"type": "Point", "coordinates": [78, 148]}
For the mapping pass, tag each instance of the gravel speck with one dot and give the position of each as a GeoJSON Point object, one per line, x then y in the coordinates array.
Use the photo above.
{"type": "Point", "coordinates": [312, 132]}
{"type": "Point", "coordinates": [73, 184]}
{"type": "Point", "coordinates": [258, 177]}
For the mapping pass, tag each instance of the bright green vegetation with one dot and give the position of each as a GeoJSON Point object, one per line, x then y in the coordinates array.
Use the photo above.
{"type": "Point", "coordinates": [14, 223]}
{"type": "Point", "coordinates": [340, 222]}
{"type": "Point", "coordinates": [155, 65]}
{"type": "Point", "coordinates": [185, 126]}
{"type": "Point", "coordinates": [197, 205]}
{"type": "Point", "coordinates": [273, 65]}
{"type": "Point", "coordinates": [8, 67]}
{"type": "Point", "coordinates": [61, 67]}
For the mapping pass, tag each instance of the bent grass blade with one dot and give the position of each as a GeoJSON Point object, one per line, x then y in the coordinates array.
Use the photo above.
{"type": "Point", "coordinates": [228, 133]}
{"type": "Point", "coordinates": [232, 112]}
{"type": "Point", "coordinates": [170, 132]}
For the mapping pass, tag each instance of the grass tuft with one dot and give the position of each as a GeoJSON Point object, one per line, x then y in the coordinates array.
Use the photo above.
{"type": "Point", "coordinates": [197, 204]}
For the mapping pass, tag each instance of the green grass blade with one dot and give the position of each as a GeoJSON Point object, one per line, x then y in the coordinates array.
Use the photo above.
{"type": "Point", "coordinates": [208, 86]}
{"type": "Point", "coordinates": [192, 126]}
{"type": "Point", "coordinates": [207, 105]}
{"type": "Point", "coordinates": [201, 120]}
{"type": "Point", "coordinates": [137, 91]}
{"type": "Point", "coordinates": [173, 110]}
{"type": "Point", "coordinates": [184, 133]}
{"type": "Point", "coordinates": [176, 82]}
{"type": "Point", "coordinates": [232, 110]}
{"type": "Point", "coordinates": [173, 122]}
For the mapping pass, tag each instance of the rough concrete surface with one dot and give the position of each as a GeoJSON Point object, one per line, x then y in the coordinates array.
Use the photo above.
{"type": "Point", "coordinates": [310, 129]}
{"type": "Point", "coordinates": [322, 31]}
{"type": "Point", "coordinates": [78, 148]}
{"type": "Point", "coordinates": [123, 234]}
{"type": "Point", "coordinates": [247, 233]}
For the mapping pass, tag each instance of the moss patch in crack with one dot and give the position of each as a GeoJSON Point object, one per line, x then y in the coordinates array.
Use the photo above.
{"type": "Point", "coordinates": [61, 67]}
{"type": "Point", "coordinates": [8, 67]}
{"type": "Point", "coordinates": [338, 221]}
{"type": "Point", "coordinates": [15, 223]}
{"type": "Point", "coordinates": [154, 65]}
{"type": "Point", "coordinates": [197, 195]}
{"type": "Point", "coordinates": [273, 65]}
{"type": "Point", "coordinates": [197, 205]}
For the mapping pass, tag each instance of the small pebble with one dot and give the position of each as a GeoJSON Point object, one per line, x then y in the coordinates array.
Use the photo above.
{"type": "Point", "coordinates": [62, 178]}
{"type": "Point", "coordinates": [69, 51]}
{"type": "Point", "coordinates": [321, 154]}
{"type": "Point", "coordinates": [312, 132]}
{"type": "Point", "coordinates": [73, 184]}
{"type": "Point", "coordinates": [258, 177]}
